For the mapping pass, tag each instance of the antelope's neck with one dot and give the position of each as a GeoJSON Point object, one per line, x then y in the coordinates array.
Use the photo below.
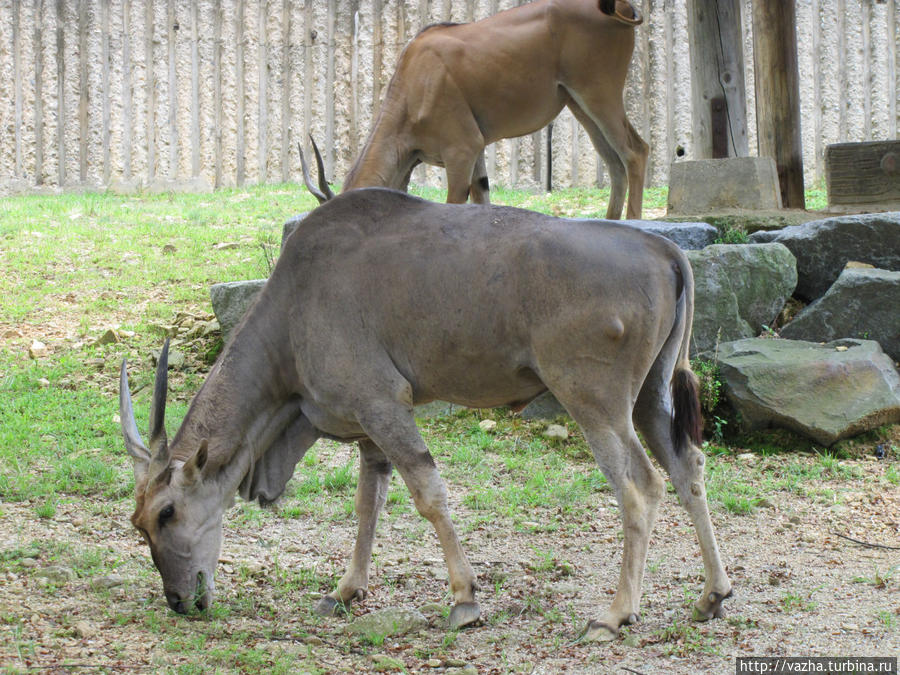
{"type": "Point", "coordinates": [248, 399]}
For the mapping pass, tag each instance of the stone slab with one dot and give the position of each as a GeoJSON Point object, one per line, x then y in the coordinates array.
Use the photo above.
{"type": "Point", "coordinates": [705, 185]}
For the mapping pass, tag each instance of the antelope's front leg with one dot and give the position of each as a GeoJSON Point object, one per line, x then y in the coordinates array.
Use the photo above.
{"type": "Point", "coordinates": [394, 429]}
{"type": "Point", "coordinates": [371, 494]}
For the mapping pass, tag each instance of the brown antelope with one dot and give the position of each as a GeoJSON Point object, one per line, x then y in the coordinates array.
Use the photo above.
{"type": "Point", "coordinates": [460, 87]}
{"type": "Point", "coordinates": [381, 301]}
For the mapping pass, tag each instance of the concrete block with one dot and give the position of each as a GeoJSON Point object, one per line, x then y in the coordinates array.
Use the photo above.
{"type": "Point", "coordinates": [707, 185]}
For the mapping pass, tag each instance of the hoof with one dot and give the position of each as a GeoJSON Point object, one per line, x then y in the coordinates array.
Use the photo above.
{"type": "Point", "coordinates": [596, 631]}
{"type": "Point", "coordinates": [328, 606]}
{"type": "Point", "coordinates": [463, 614]}
{"type": "Point", "coordinates": [710, 606]}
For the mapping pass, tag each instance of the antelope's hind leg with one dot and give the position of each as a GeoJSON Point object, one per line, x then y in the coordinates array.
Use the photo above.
{"type": "Point", "coordinates": [606, 422]}
{"type": "Point", "coordinates": [685, 467]}
{"type": "Point", "coordinates": [371, 494]}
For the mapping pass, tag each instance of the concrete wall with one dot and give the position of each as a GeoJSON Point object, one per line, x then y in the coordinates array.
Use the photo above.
{"type": "Point", "coordinates": [205, 93]}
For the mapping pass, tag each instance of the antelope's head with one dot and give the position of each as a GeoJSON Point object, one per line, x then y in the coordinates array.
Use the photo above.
{"type": "Point", "coordinates": [179, 509]}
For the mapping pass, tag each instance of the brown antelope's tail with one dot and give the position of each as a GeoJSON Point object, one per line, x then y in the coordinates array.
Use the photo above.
{"type": "Point", "coordinates": [630, 16]}
{"type": "Point", "coordinates": [687, 420]}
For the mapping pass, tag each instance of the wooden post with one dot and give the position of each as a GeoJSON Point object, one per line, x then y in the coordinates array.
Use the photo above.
{"type": "Point", "coordinates": [127, 91]}
{"type": "Point", "coordinates": [60, 94]}
{"type": "Point", "coordinates": [17, 82]}
{"type": "Point", "coordinates": [104, 74]}
{"type": "Point", "coordinates": [195, 89]}
{"type": "Point", "coordinates": [150, 88]}
{"type": "Point", "coordinates": [39, 93]}
{"type": "Point", "coordinates": [717, 79]}
{"type": "Point", "coordinates": [286, 75]}
{"type": "Point", "coordinates": [83, 80]}
{"type": "Point", "coordinates": [172, 94]}
{"type": "Point", "coordinates": [240, 136]}
{"type": "Point", "coordinates": [778, 94]}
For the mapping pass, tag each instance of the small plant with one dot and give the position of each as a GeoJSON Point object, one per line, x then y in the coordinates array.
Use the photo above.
{"type": "Point", "coordinates": [682, 639]}
{"type": "Point", "coordinates": [879, 579]}
{"type": "Point", "coordinates": [710, 378]}
{"type": "Point", "coordinates": [794, 602]}
{"type": "Point", "coordinates": [731, 234]}
{"type": "Point", "coordinates": [887, 619]}
{"type": "Point", "coordinates": [47, 509]}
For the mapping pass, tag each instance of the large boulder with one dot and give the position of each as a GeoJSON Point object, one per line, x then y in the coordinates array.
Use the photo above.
{"type": "Point", "coordinates": [231, 300]}
{"type": "Point", "coordinates": [290, 226]}
{"type": "Point", "coordinates": [826, 392]}
{"type": "Point", "coordinates": [824, 247]}
{"type": "Point", "coordinates": [862, 303]}
{"type": "Point", "coordinates": [688, 235]}
{"type": "Point", "coordinates": [739, 289]}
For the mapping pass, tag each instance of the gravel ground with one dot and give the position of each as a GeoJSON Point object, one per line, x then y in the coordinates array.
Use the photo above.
{"type": "Point", "coordinates": [799, 589]}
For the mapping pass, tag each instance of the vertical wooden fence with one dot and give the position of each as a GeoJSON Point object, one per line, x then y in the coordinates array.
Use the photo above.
{"type": "Point", "coordinates": [194, 94]}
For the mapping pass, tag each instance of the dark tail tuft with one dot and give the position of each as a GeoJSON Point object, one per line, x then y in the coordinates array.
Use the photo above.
{"type": "Point", "coordinates": [687, 423]}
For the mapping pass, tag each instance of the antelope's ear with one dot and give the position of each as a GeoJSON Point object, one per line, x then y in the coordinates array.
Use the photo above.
{"type": "Point", "coordinates": [193, 468]}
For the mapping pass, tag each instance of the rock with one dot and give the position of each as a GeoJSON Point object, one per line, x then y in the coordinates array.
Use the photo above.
{"type": "Point", "coordinates": [556, 432]}
{"type": "Point", "coordinates": [824, 247]}
{"type": "Point", "coordinates": [84, 629]}
{"type": "Point", "coordinates": [739, 288]}
{"type": "Point", "coordinates": [432, 609]}
{"type": "Point", "coordinates": [707, 185]}
{"type": "Point", "coordinates": [435, 409]}
{"type": "Point", "coordinates": [110, 337]}
{"type": "Point", "coordinates": [487, 425]}
{"type": "Point", "coordinates": [383, 663]}
{"type": "Point", "coordinates": [862, 303]}
{"type": "Point", "coordinates": [107, 581]}
{"type": "Point", "coordinates": [812, 389]}
{"type": "Point", "coordinates": [544, 407]}
{"type": "Point", "coordinates": [389, 622]}
{"type": "Point", "coordinates": [176, 358]}
{"type": "Point", "coordinates": [231, 300]}
{"type": "Point", "coordinates": [56, 574]}
{"type": "Point", "coordinates": [434, 663]}
{"type": "Point", "coordinates": [38, 350]}
{"type": "Point", "coordinates": [43, 382]}
{"type": "Point", "coordinates": [687, 235]}
{"type": "Point", "coordinates": [290, 226]}
{"type": "Point", "coordinates": [467, 669]}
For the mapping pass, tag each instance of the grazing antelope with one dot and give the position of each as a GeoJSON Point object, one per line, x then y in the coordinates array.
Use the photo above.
{"type": "Point", "coordinates": [460, 87]}
{"type": "Point", "coordinates": [381, 301]}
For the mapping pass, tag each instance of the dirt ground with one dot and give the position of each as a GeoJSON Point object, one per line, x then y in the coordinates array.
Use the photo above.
{"type": "Point", "coordinates": [799, 590]}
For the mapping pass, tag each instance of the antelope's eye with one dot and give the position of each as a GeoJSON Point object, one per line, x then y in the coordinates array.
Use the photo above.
{"type": "Point", "coordinates": [166, 514]}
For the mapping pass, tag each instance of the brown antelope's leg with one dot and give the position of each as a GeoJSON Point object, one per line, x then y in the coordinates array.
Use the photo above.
{"type": "Point", "coordinates": [652, 416]}
{"type": "Point", "coordinates": [637, 171]}
{"type": "Point", "coordinates": [371, 494]}
{"type": "Point", "coordinates": [460, 167]}
{"type": "Point", "coordinates": [394, 430]}
{"type": "Point", "coordinates": [480, 190]}
{"type": "Point", "coordinates": [618, 180]}
{"type": "Point", "coordinates": [609, 116]}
